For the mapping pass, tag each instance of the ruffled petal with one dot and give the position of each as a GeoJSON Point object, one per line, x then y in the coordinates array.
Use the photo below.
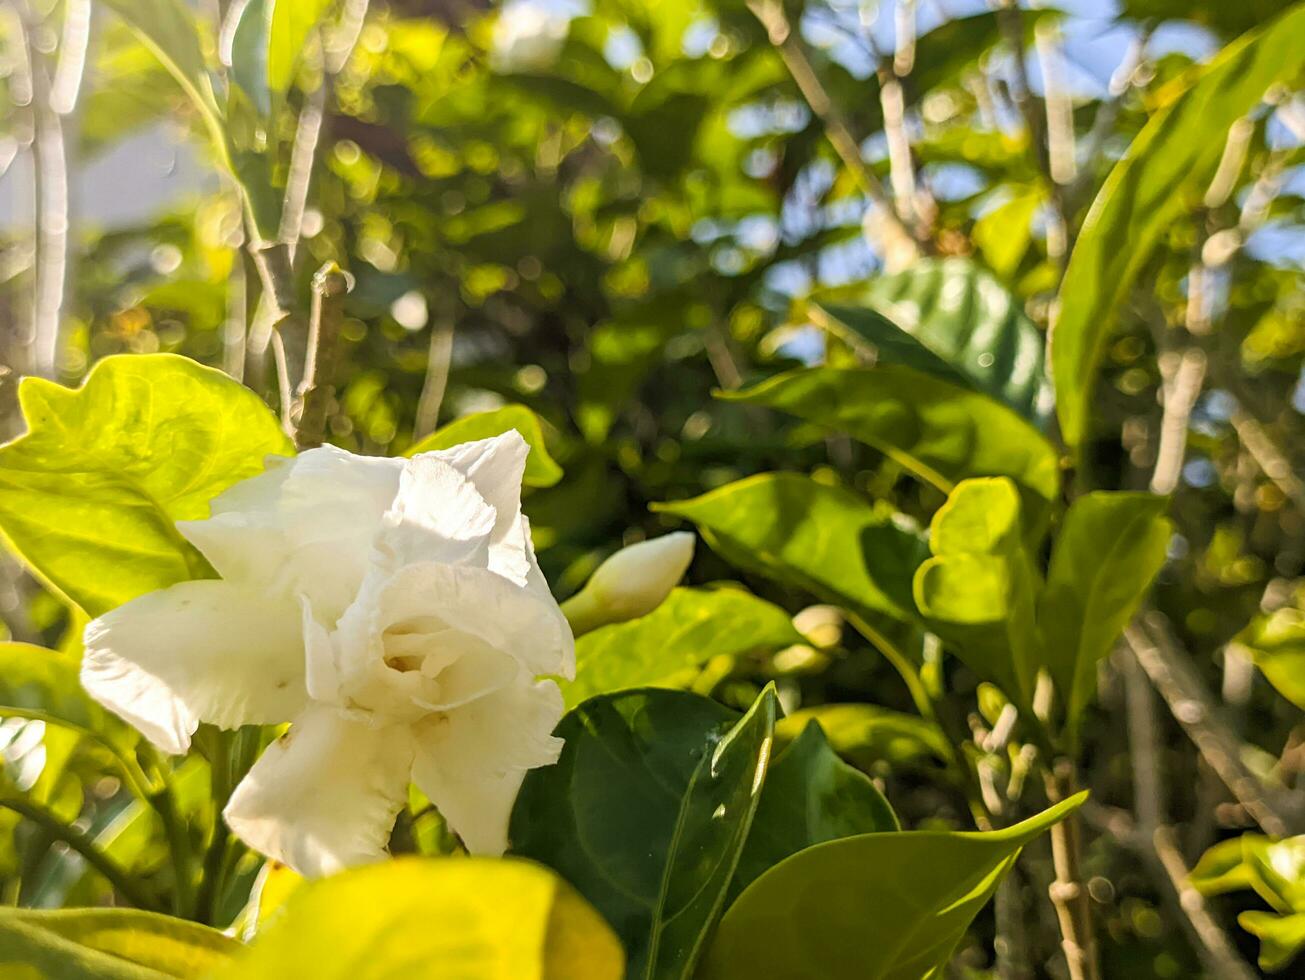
{"type": "Point", "coordinates": [468, 609]}
{"type": "Point", "coordinates": [305, 527]}
{"type": "Point", "coordinates": [470, 761]}
{"type": "Point", "coordinates": [438, 515]}
{"type": "Point", "coordinates": [324, 796]}
{"type": "Point", "coordinates": [496, 466]}
{"type": "Point", "coordinates": [206, 651]}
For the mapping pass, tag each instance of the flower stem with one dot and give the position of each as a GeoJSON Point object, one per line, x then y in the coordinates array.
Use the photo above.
{"type": "Point", "coordinates": [130, 889]}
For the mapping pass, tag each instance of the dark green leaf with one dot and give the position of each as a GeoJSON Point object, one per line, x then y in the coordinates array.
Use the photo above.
{"type": "Point", "coordinates": [44, 684]}
{"type": "Point", "coordinates": [939, 431]}
{"type": "Point", "coordinates": [811, 796]}
{"type": "Point", "coordinates": [870, 736]}
{"type": "Point", "coordinates": [949, 318]}
{"type": "Point", "coordinates": [672, 771]}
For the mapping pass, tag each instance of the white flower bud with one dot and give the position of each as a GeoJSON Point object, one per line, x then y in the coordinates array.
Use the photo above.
{"type": "Point", "coordinates": [631, 583]}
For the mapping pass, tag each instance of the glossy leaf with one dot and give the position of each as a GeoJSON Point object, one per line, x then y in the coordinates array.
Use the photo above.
{"type": "Point", "coordinates": [676, 772]}
{"type": "Point", "coordinates": [108, 944]}
{"type": "Point", "coordinates": [689, 628]}
{"type": "Point", "coordinates": [819, 538]}
{"type": "Point", "coordinates": [541, 469]}
{"type": "Point", "coordinates": [90, 495]}
{"type": "Point", "coordinates": [447, 919]}
{"type": "Point", "coordinates": [951, 319]}
{"type": "Point", "coordinates": [1277, 645]}
{"type": "Point", "coordinates": [811, 796]}
{"type": "Point", "coordinates": [979, 590]}
{"type": "Point", "coordinates": [1110, 547]}
{"type": "Point", "coordinates": [44, 684]}
{"type": "Point", "coordinates": [888, 906]}
{"type": "Point", "coordinates": [1004, 233]}
{"type": "Point", "coordinates": [1223, 868]}
{"type": "Point", "coordinates": [941, 432]}
{"type": "Point", "coordinates": [1160, 178]}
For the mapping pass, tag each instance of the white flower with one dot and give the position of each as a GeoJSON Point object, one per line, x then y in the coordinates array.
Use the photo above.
{"type": "Point", "coordinates": [392, 611]}
{"type": "Point", "coordinates": [631, 583]}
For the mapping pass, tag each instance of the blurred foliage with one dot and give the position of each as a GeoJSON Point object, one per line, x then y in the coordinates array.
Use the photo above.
{"type": "Point", "coordinates": [602, 212]}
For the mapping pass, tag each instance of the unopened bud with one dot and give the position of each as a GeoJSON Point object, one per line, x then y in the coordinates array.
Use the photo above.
{"type": "Point", "coordinates": [631, 583]}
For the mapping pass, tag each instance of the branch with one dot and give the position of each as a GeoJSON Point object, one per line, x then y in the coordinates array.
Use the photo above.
{"type": "Point", "coordinates": [793, 53]}
{"type": "Point", "coordinates": [330, 285]}
{"type": "Point", "coordinates": [437, 372]}
{"type": "Point", "coordinates": [1068, 893]}
{"type": "Point", "coordinates": [1165, 863]}
{"type": "Point", "coordinates": [1172, 674]}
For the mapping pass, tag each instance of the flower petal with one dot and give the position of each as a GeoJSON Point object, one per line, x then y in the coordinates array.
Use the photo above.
{"type": "Point", "coordinates": [470, 761]}
{"type": "Point", "coordinates": [207, 651]}
{"type": "Point", "coordinates": [304, 527]}
{"type": "Point", "coordinates": [495, 466]}
{"type": "Point", "coordinates": [438, 515]}
{"type": "Point", "coordinates": [324, 796]}
{"type": "Point", "coordinates": [489, 610]}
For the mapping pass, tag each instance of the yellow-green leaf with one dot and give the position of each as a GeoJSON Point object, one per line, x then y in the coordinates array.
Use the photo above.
{"type": "Point", "coordinates": [90, 495]}
{"type": "Point", "coordinates": [441, 918]}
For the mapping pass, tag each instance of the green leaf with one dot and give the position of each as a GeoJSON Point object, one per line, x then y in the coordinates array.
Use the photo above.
{"type": "Point", "coordinates": [1277, 645]}
{"type": "Point", "coordinates": [44, 684]}
{"type": "Point", "coordinates": [249, 51]}
{"type": "Point", "coordinates": [292, 22]}
{"type": "Point", "coordinates": [888, 906]}
{"type": "Point", "coordinates": [979, 590]}
{"type": "Point", "coordinates": [939, 431]}
{"type": "Point", "coordinates": [108, 944]}
{"type": "Point", "coordinates": [1281, 937]}
{"type": "Point", "coordinates": [1004, 233]}
{"type": "Point", "coordinates": [819, 538]}
{"type": "Point", "coordinates": [950, 319]}
{"type": "Point", "coordinates": [810, 796]}
{"type": "Point", "coordinates": [1110, 547]}
{"type": "Point", "coordinates": [671, 771]}
{"type": "Point", "coordinates": [1223, 868]}
{"type": "Point", "coordinates": [447, 919]}
{"type": "Point", "coordinates": [90, 495]}
{"type": "Point", "coordinates": [1277, 870]}
{"type": "Point", "coordinates": [1160, 178]}
{"type": "Point", "coordinates": [541, 469]}
{"type": "Point", "coordinates": [169, 29]}
{"type": "Point", "coordinates": [872, 737]}
{"type": "Point", "coordinates": [689, 628]}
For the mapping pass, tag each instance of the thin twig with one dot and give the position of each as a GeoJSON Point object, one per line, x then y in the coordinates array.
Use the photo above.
{"type": "Point", "coordinates": [1165, 863]}
{"type": "Point", "coordinates": [436, 382]}
{"type": "Point", "coordinates": [1182, 690]}
{"type": "Point", "coordinates": [1183, 376]}
{"type": "Point", "coordinates": [50, 192]}
{"type": "Point", "coordinates": [317, 392]}
{"type": "Point", "coordinates": [1068, 892]}
{"type": "Point", "coordinates": [793, 53]}
{"type": "Point", "coordinates": [84, 845]}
